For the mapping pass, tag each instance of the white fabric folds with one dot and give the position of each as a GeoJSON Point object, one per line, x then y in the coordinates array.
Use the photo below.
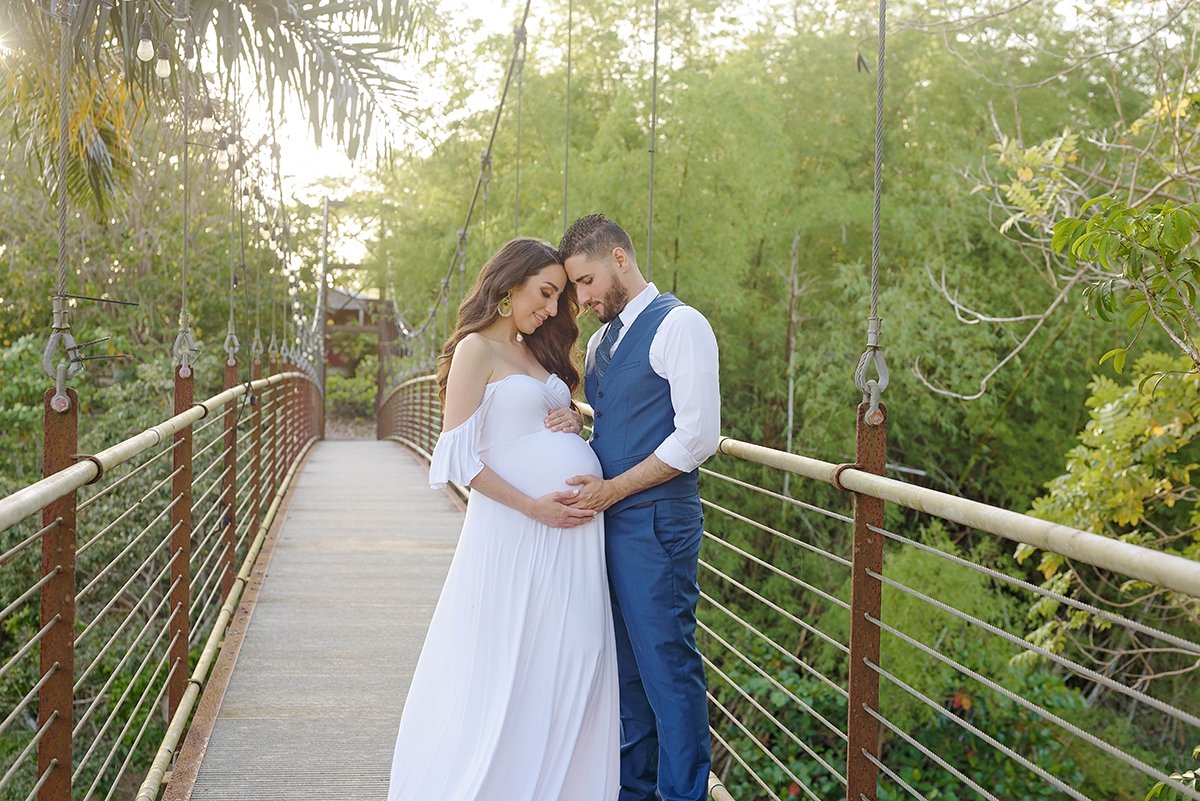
{"type": "Point", "coordinates": [456, 454]}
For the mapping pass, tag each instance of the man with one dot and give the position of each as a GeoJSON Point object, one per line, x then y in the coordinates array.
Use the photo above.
{"type": "Point", "coordinates": [651, 378]}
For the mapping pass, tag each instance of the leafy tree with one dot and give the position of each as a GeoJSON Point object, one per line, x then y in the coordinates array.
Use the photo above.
{"type": "Point", "coordinates": [1131, 478]}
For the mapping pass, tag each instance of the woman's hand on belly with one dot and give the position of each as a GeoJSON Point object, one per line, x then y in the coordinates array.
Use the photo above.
{"type": "Point", "coordinates": [566, 419]}
{"type": "Point", "coordinates": [551, 510]}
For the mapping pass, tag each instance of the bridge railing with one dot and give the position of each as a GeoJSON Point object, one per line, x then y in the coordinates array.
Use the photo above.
{"type": "Point", "coordinates": [118, 574]}
{"type": "Point", "coordinates": [869, 638]}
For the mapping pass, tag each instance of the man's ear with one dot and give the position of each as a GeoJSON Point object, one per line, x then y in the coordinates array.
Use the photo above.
{"type": "Point", "coordinates": [620, 259]}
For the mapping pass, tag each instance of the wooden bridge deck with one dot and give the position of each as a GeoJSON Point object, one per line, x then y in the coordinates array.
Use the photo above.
{"type": "Point", "coordinates": [312, 707]}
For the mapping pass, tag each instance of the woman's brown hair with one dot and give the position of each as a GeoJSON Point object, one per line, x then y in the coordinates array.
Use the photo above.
{"type": "Point", "coordinates": [553, 344]}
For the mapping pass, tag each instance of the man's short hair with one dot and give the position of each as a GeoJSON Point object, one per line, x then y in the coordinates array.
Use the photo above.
{"type": "Point", "coordinates": [595, 236]}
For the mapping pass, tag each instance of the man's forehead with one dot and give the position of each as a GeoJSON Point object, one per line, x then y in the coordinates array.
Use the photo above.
{"type": "Point", "coordinates": [581, 264]}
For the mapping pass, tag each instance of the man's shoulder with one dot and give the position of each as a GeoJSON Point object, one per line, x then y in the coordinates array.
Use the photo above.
{"type": "Point", "coordinates": [681, 314]}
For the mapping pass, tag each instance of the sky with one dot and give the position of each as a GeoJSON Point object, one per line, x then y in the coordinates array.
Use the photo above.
{"type": "Point", "coordinates": [306, 164]}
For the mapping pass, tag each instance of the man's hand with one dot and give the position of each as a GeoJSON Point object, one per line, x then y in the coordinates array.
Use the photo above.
{"type": "Point", "coordinates": [566, 419]}
{"type": "Point", "coordinates": [594, 493]}
{"type": "Point", "coordinates": [552, 509]}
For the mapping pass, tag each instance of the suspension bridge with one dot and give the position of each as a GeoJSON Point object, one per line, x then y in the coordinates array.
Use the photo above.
{"type": "Point", "coordinates": [269, 592]}
{"type": "Point", "coordinates": [227, 605]}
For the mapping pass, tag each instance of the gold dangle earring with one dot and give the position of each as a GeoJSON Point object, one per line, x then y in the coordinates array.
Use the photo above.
{"type": "Point", "coordinates": [504, 307]}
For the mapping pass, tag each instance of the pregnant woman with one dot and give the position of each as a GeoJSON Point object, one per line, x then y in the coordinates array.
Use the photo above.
{"type": "Point", "coordinates": [515, 693]}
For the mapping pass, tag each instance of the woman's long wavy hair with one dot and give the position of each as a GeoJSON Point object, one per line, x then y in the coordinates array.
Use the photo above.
{"type": "Point", "coordinates": [553, 344]}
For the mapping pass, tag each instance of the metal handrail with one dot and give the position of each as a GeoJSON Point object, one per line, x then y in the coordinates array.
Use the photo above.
{"type": "Point", "coordinates": [1135, 561]}
{"type": "Point", "coordinates": [32, 498]}
{"type": "Point", "coordinates": [79, 667]}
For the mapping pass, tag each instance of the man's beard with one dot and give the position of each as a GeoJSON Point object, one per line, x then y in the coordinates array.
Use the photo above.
{"type": "Point", "coordinates": [614, 303]}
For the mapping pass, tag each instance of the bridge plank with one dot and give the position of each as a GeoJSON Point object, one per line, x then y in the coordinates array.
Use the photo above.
{"type": "Point", "coordinates": [314, 702]}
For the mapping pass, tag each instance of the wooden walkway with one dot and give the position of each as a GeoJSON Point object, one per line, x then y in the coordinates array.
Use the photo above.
{"type": "Point", "coordinates": [314, 702]}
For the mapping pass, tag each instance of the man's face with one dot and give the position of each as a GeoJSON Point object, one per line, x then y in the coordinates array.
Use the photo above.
{"type": "Point", "coordinates": [597, 284]}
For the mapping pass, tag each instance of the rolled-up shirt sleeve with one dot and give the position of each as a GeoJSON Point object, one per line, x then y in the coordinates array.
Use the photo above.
{"type": "Point", "coordinates": [684, 352]}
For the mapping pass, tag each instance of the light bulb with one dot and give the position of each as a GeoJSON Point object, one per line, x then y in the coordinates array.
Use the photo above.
{"type": "Point", "coordinates": [145, 48]}
{"type": "Point", "coordinates": [208, 123]}
{"type": "Point", "coordinates": [163, 68]}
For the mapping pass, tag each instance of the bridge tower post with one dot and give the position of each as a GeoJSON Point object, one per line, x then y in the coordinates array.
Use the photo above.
{"type": "Point", "coordinates": [57, 651]}
{"type": "Point", "coordinates": [181, 543]}
{"type": "Point", "coordinates": [870, 452]}
{"type": "Point", "coordinates": [228, 563]}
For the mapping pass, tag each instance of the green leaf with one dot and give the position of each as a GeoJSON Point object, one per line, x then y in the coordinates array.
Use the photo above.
{"type": "Point", "coordinates": [1137, 313]}
{"type": "Point", "coordinates": [1064, 230]}
{"type": "Point", "coordinates": [1118, 357]}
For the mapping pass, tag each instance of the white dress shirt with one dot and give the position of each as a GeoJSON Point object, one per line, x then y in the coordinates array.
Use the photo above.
{"type": "Point", "coordinates": [684, 352]}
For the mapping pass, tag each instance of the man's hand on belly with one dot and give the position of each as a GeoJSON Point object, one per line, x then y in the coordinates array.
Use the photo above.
{"type": "Point", "coordinates": [599, 494]}
{"type": "Point", "coordinates": [594, 493]}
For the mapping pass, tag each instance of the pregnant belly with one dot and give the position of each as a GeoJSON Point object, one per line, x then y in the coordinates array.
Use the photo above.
{"type": "Point", "coordinates": [542, 462]}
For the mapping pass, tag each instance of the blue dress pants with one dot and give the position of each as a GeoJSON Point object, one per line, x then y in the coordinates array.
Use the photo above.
{"type": "Point", "coordinates": [652, 550]}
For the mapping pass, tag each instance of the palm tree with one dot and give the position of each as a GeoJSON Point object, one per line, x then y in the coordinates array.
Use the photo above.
{"type": "Point", "coordinates": [333, 58]}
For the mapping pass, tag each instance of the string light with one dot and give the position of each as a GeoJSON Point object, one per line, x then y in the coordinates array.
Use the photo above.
{"type": "Point", "coordinates": [208, 123]}
{"type": "Point", "coordinates": [145, 48]}
{"type": "Point", "coordinates": [163, 68]}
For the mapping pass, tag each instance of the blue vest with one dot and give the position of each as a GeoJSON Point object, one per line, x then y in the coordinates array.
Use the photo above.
{"type": "Point", "coordinates": [633, 408]}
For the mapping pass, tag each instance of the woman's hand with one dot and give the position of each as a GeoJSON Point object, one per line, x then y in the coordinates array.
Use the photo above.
{"type": "Point", "coordinates": [551, 510]}
{"type": "Point", "coordinates": [566, 419]}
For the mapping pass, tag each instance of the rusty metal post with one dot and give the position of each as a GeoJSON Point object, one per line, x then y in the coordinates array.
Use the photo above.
{"type": "Point", "coordinates": [289, 420]}
{"type": "Point", "coordinates": [181, 544]}
{"type": "Point", "coordinates": [256, 445]}
{"type": "Point", "coordinates": [301, 412]}
{"type": "Point", "coordinates": [293, 418]}
{"type": "Point", "coordinates": [57, 651]}
{"type": "Point", "coordinates": [273, 423]}
{"type": "Point", "coordinates": [229, 485]}
{"type": "Point", "coordinates": [431, 410]}
{"type": "Point", "coordinates": [318, 410]}
{"type": "Point", "coordinates": [311, 424]}
{"type": "Point", "coordinates": [281, 424]}
{"type": "Point", "coordinates": [870, 450]}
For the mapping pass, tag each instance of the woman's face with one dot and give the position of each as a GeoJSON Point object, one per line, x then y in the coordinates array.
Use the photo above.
{"type": "Point", "coordinates": [536, 301]}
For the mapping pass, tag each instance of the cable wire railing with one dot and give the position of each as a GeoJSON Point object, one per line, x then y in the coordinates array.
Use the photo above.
{"type": "Point", "coordinates": [869, 638]}
{"type": "Point", "coordinates": [115, 565]}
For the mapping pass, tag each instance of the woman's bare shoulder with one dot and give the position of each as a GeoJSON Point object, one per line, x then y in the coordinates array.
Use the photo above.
{"type": "Point", "coordinates": [473, 354]}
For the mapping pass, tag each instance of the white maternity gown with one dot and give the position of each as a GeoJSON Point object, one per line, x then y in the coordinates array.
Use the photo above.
{"type": "Point", "coordinates": [514, 697]}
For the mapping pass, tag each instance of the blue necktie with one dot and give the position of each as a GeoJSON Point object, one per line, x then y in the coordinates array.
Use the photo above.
{"type": "Point", "coordinates": [604, 351]}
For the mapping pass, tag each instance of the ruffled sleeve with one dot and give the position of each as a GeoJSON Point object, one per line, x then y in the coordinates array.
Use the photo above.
{"type": "Point", "coordinates": [456, 454]}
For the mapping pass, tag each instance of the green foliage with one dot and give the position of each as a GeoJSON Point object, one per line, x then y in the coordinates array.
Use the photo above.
{"type": "Point", "coordinates": [1131, 477]}
{"type": "Point", "coordinates": [353, 396]}
{"type": "Point", "coordinates": [1164, 792]}
{"type": "Point", "coordinates": [1150, 252]}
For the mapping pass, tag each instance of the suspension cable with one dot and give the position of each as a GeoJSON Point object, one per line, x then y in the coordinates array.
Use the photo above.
{"type": "Point", "coordinates": [873, 355]}
{"type": "Point", "coordinates": [60, 325]}
{"type": "Point", "coordinates": [653, 147]}
{"type": "Point", "coordinates": [567, 137]}
{"type": "Point", "coordinates": [519, 33]}
{"type": "Point", "coordinates": [485, 167]}
{"type": "Point", "coordinates": [256, 345]}
{"type": "Point", "coordinates": [285, 235]}
{"type": "Point", "coordinates": [518, 47]}
{"type": "Point", "coordinates": [185, 348]}
{"type": "Point", "coordinates": [231, 341]}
